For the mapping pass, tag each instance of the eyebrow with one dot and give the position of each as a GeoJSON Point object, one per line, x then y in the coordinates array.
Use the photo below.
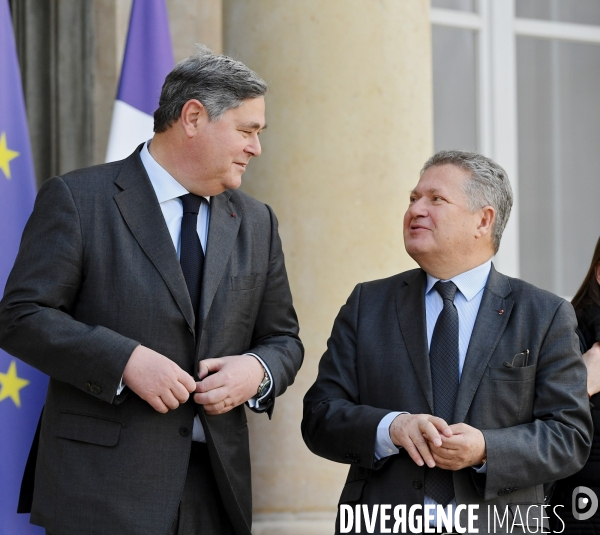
{"type": "Point", "coordinates": [254, 126]}
{"type": "Point", "coordinates": [431, 190]}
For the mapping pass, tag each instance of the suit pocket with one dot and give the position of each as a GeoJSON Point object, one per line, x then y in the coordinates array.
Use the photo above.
{"type": "Point", "coordinates": [526, 373]}
{"type": "Point", "coordinates": [505, 392]}
{"type": "Point", "coordinates": [248, 282]}
{"type": "Point", "coordinates": [352, 491]}
{"type": "Point", "coordinates": [90, 429]}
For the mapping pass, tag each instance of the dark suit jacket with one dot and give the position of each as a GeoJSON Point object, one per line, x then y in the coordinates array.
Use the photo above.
{"type": "Point", "coordinates": [96, 275]}
{"type": "Point", "coordinates": [535, 419]}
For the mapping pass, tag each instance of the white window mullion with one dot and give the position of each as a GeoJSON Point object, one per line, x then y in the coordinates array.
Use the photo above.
{"type": "Point", "coordinates": [484, 105]}
{"type": "Point", "coordinates": [504, 121]}
{"type": "Point", "coordinates": [564, 31]}
{"type": "Point", "coordinates": [455, 19]}
{"type": "Point", "coordinates": [557, 219]}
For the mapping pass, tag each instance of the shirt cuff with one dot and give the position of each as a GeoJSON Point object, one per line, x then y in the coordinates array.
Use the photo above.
{"type": "Point", "coordinates": [384, 447]}
{"type": "Point", "coordinates": [481, 469]}
{"type": "Point", "coordinates": [121, 386]}
{"type": "Point", "coordinates": [254, 402]}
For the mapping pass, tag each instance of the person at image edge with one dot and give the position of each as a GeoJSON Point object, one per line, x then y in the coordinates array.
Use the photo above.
{"type": "Point", "coordinates": [452, 383]}
{"type": "Point", "coordinates": [154, 294]}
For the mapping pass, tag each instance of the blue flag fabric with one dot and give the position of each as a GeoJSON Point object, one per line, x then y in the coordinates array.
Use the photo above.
{"type": "Point", "coordinates": [22, 388]}
{"type": "Point", "coordinates": [148, 55]}
{"type": "Point", "coordinates": [147, 61]}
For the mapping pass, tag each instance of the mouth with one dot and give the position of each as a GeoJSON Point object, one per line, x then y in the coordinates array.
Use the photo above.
{"type": "Point", "coordinates": [415, 227]}
{"type": "Point", "coordinates": [241, 165]}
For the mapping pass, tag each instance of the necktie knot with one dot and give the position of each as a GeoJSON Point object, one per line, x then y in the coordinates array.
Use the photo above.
{"type": "Point", "coordinates": [446, 289]}
{"type": "Point", "coordinates": [191, 203]}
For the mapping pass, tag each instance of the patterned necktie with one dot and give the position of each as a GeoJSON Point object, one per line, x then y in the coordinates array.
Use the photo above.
{"type": "Point", "coordinates": [443, 357]}
{"type": "Point", "coordinates": [191, 254]}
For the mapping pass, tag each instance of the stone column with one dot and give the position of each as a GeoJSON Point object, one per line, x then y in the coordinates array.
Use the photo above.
{"type": "Point", "coordinates": [350, 124]}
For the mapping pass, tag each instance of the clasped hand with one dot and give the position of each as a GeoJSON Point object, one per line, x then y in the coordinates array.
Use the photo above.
{"type": "Point", "coordinates": [224, 383]}
{"type": "Point", "coordinates": [227, 382]}
{"type": "Point", "coordinates": [430, 440]}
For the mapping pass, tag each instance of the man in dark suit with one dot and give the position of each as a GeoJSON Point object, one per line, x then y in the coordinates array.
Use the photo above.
{"type": "Point", "coordinates": [452, 384]}
{"type": "Point", "coordinates": [155, 297]}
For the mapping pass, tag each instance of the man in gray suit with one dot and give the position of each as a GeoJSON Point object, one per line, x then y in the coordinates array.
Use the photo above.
{"type": "Point", "coordinates": [452, 384]}
{"type": "Point", "coordinates": [155, 296]}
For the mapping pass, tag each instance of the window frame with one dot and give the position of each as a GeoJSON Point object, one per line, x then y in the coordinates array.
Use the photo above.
{"type": "Point", "coordinates": [497, 27]}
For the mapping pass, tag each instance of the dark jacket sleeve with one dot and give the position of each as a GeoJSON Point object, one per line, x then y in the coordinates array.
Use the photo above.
{"type": "Point", "coordinates": [36, 323]}
{"type": "Point", "coordinates": [275, 338]}
{"type": "Point", "coordinates": [335, 424]}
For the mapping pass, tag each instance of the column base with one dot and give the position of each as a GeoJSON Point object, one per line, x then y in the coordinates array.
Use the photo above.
{"type": "Point", "coordinates": [293, 524]}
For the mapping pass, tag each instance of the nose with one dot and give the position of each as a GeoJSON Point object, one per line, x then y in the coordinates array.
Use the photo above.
{"type": "Point", "coordinates": [253, 148]}
{"type": "Point", "coordinates": [417, 208]}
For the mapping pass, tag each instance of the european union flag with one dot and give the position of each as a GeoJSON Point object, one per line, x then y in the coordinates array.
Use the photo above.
{"type": "Point", "coordinates": [22, 388]}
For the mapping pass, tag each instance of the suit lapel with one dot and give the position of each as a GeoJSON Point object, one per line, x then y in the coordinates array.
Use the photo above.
{"type": "Point", "coordinates": [225, 220]}
{"type": "Point", "coordinates": [410, 307]}
{"type": "Point", "coordinates": [142, 214]}
{"type": "Point", "coordinates": [488, 328]}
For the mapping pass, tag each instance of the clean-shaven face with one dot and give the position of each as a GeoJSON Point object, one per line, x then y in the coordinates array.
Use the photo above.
{"type": "Point", "coordinates": [225, 147]}
{"type": "Point", "coordinates": [438, 226]}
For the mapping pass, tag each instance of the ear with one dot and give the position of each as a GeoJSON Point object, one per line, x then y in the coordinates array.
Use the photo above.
{"type": "Point", "coordinates": [597, 272]}
{"type": "Point", "coordinates": [193, 117]}
{"type": "Point", "coordinates": [488, 216]}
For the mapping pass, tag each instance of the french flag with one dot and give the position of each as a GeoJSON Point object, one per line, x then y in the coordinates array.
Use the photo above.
{"type": "Point", "coordinates": [147, 61]}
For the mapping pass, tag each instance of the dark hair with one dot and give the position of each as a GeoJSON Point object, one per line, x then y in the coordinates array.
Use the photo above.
{"type": "Point", "coordinates": [217, 81]}
{"type": "Point", "coordinates": [589, 292]}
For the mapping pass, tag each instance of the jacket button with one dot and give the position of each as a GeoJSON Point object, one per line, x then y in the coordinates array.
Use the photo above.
{"type": "Point", "coordinates": [501, 492]}
{"type": "Point", "coordinates": [184, 431]}
{"type": "Point", "coordinates": [417, 484]}
{"type": "Point", "coordinates": [94, 389]}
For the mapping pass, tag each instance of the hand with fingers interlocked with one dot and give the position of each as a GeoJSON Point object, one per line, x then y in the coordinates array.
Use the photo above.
{"type": "Point", "coordinates": [430, 440]}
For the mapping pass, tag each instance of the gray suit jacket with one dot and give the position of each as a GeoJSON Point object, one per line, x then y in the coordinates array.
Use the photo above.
{"type": "Point", "coordinates": [535, 419]}
{"type": "Point", "coordinates": [96, 275]}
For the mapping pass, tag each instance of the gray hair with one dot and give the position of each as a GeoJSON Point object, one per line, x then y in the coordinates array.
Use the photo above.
{"type": "Point", "coordinates": [217, 81]}
{"type": "Point", "coordinates": [488, 185]}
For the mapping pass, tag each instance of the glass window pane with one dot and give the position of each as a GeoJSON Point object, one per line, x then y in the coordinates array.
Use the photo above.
{"type": "Point", "coordinates": [454, 89]}
{"type": "Point", "coordinates": [577, 11]}
{"type": "Point", "coordinates": [461, 5]}
{"type": "Point", "coordinates": [559, 160]}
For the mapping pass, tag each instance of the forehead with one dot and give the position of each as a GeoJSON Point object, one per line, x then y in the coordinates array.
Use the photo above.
{"type": "Point", "coordinates": [446, 178]}
{"type": "Point", "coordinates": [251, 109]}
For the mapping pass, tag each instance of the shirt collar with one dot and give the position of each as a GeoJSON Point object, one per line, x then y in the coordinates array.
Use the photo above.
{"type": "Point", "coordinates": [469, 283]}
{"type": "Point", "coordinates": [165, 186]}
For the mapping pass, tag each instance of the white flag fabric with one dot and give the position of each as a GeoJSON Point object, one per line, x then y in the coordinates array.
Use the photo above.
{"type": "Point", "coordinates": [147, 61]}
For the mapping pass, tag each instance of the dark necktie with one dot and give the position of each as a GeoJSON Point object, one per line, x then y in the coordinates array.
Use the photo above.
{"type": "Point", "coordinates": [191, 255]}
{"type": "Point", "coordinates": [443, 357]}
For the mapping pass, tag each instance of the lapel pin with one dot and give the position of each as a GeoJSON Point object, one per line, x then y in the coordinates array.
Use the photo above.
{"type": "Point", "coordinates": [232, 214]}
{"type": "Point", "coordinates": [500, 311]}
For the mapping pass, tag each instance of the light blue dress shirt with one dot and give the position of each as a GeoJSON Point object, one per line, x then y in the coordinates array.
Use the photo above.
{"type": "Point", "coordinates": [168, 191]}
{"type": "Point", "coordinates": [470, 286]}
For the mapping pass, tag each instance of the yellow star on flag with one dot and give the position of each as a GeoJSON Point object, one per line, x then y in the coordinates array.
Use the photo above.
{"type": "Point", "coordinates": [11, 383]}
{"type": "Point", "coordinates": [6, 155]}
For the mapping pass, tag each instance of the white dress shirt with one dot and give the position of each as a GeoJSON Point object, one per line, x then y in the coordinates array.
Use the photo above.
{"type": "Point", "coordinates": [168, 191]}
{"type": "Point", "coordinates": [470, 286]}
